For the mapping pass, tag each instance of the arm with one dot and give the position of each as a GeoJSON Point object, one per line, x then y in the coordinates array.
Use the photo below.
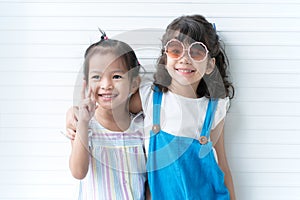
{"type": "Point", "coordinates": [71, 122]}
{"type": "Point", "coordinates": [217, 136]}
{"type": "Point", "coordinates": [79, 158]}
{"type": "Point", "coordinates": [147, 191]}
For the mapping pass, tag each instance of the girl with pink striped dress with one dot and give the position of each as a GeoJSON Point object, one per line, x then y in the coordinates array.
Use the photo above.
{"type": "Point", "coordinates": [108, 150]}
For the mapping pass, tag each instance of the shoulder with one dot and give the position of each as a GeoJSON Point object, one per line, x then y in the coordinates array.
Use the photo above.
{"type": "Point", "coordinates": [224, 103]}
{"type": "Point", "coordinates": [145, 87]}
{"type": "Point", "coordinates": [95, 128]}
{"type": "Point", "coordinates": [137, 122]}
{"type": "Point", "coordinates": [221, 111]}
{"type": "Point", "coordinates": [137, 119]}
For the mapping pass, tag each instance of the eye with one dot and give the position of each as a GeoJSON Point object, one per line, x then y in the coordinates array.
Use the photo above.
{"type": "Point", "coordinates": [116, 76]}
{"type": "Point", "coordinates": [176, 51]}
{"type": "Point", "coordinates": [96, 77]}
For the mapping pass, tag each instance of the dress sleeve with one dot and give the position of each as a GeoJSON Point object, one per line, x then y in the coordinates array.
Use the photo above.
{"type": "Point", "coordinates": [222, 108]}
{"type": "Point", "coordinates": [138, 122]}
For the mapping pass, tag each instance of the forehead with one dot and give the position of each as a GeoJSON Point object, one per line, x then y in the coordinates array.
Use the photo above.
{"type": "Point", "coordinates": [106, 62]}
{"type": "Point", "coordinates": [185, 39]}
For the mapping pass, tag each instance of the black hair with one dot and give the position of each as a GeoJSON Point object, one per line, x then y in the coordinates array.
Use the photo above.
{"type": "Point", "coordinates": [118, 48]}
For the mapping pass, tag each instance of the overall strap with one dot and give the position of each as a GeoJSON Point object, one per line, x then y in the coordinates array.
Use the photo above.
{"type": "Point", "coordinates": [206, 145]}
{"type": "Point", "coordinates": [209, 118]}
{"type": "Point", "coordinates": [157, 97]}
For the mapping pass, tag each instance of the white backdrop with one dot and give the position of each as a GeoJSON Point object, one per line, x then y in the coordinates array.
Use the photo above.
{"type": "Point", "coordinates": [41, 49]}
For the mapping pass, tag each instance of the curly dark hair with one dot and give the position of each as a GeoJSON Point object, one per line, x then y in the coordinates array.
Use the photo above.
{"type": "Point", "coordinates": [196, 28]}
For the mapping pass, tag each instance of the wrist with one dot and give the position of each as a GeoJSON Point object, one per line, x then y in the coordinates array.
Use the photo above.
{"type": "Point", "coordinates": [83, 119]}
{"type": "Point", "coordinates": [82, 123]}
{"type": "Point", "coordinates": [82, 126]}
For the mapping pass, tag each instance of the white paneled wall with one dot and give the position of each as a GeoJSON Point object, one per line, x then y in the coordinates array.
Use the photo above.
{"type": "Point", "coordinates": [41, 49]}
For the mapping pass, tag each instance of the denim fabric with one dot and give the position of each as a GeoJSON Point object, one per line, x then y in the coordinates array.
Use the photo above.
{"type": "Point", "coordinates": [180, 167]}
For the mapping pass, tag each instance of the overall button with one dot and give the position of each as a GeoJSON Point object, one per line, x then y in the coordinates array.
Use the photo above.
{"type": "Point", "coordinates": [203, 140]}
{"type": "Point", "coordinates": [155, 128]}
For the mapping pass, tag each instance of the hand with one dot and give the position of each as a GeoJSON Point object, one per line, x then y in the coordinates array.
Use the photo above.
{"type": "Point", "coordinates": [87, 105]}
{"type": "Point", "coordinates": [71, 122]}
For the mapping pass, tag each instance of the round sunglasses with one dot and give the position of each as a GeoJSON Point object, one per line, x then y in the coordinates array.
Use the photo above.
{"type": "Point", "coordinates": [197, 51]}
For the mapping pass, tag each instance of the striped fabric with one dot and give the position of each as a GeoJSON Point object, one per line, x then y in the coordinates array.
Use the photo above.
{"type": "Point", "coordinates": [117, 167]}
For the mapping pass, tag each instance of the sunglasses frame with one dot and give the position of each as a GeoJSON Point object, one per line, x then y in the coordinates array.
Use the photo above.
{"type": "Point", "coordinates": [188, 50]}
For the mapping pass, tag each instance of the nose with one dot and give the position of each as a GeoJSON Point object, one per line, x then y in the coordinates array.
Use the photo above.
{"type": "Point", "coordinates": [106, 84]}
{"type": "Point", "coordinates": [185, 58]}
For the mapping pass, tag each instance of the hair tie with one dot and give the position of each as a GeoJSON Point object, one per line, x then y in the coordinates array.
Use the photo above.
{"type": "Point", "coordinates": [103, 36]}
{"type": "Point", "coordinates": [214, 26]}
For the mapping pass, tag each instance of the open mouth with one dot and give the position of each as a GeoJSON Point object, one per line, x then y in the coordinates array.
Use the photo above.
{"type": "Point", "coordinates": [185, 71]}
{"type": "Point", "coordinates": [107, 96]}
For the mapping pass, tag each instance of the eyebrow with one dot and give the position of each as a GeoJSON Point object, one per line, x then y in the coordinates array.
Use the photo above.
{"type": "Point", "coordinates": [115, 71]}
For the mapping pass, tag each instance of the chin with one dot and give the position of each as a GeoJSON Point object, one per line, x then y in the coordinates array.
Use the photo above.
{"type": "Point", "coordinates": [184, 81]}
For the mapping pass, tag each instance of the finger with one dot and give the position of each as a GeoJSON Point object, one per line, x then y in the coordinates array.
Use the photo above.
{"type": "Point", "coordinates": [72, 126]}
{"type": "Point", "coordinates": [85, 105]}
{"type": "Point", "coordinates": [92, 102]}
{"type": "Point", "coordinates": [70, 134]}
{"type": "Point", "coordinates": [93, 96]}
{"type": "Point", "coordinates": [91, 106]}
{"type": "Point", "coordinates": [67, 135]}
{"type": "Point", "coordinates": [89, 92]}
{"type": "Point", "coordinates": [83, 89]}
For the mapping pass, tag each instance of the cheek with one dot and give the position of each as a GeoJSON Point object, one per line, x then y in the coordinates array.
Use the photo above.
{"type": "Point", "coordinates": [170, 63]}
{"type": "Point", "coordinates": [122, 85]}
{"type": "Point", "coordinates": [201, 66]}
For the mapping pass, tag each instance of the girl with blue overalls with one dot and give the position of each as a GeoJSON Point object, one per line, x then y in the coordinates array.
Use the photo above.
{"type": "Point", "coordinates": [184, 113]}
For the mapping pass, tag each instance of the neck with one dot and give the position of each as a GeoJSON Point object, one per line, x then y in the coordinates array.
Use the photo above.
{"type": "Point", "coordinates": [113, 119]}
{"type": "Point", "coordinates": [189, 91]}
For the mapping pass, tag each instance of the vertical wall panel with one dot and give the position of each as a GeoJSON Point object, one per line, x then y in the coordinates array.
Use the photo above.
{"type": "Point", "coordinates": [41, 48]}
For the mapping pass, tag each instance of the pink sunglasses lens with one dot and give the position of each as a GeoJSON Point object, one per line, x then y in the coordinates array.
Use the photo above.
{"type": "Point", "coordinates": [174, 49]}
{"type": "Point", "coordinates": [198, 51]}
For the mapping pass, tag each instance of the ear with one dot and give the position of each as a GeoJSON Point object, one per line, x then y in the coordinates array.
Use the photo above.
{"type": "Point", "coordinates": [210, 66]}
{"type": "Point", "coordinates": [135, 84]}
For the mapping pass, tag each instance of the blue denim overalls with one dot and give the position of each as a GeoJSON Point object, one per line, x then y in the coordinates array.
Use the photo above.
{"type": "Point", "coordinates": [181, 167]}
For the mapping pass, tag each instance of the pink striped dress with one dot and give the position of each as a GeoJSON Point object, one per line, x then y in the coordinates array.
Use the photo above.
{"type": "Point", "coordinates": [117, 168]}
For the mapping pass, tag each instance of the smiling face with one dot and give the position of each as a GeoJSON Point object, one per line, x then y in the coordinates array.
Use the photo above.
{"type": "Point", "coordinates": [109, 80]}
{"type": "Point", "coordinates": [186, 71]}
{"type": "Point", "coordinates": [207, 78]}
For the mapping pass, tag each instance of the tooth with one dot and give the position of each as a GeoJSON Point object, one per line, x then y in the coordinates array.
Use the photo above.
{"type": "Point", "coordinates": [185, 70]}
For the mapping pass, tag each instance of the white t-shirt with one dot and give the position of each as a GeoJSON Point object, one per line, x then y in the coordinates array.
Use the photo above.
{"type": "Point", "coordinates": [180, 116]}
